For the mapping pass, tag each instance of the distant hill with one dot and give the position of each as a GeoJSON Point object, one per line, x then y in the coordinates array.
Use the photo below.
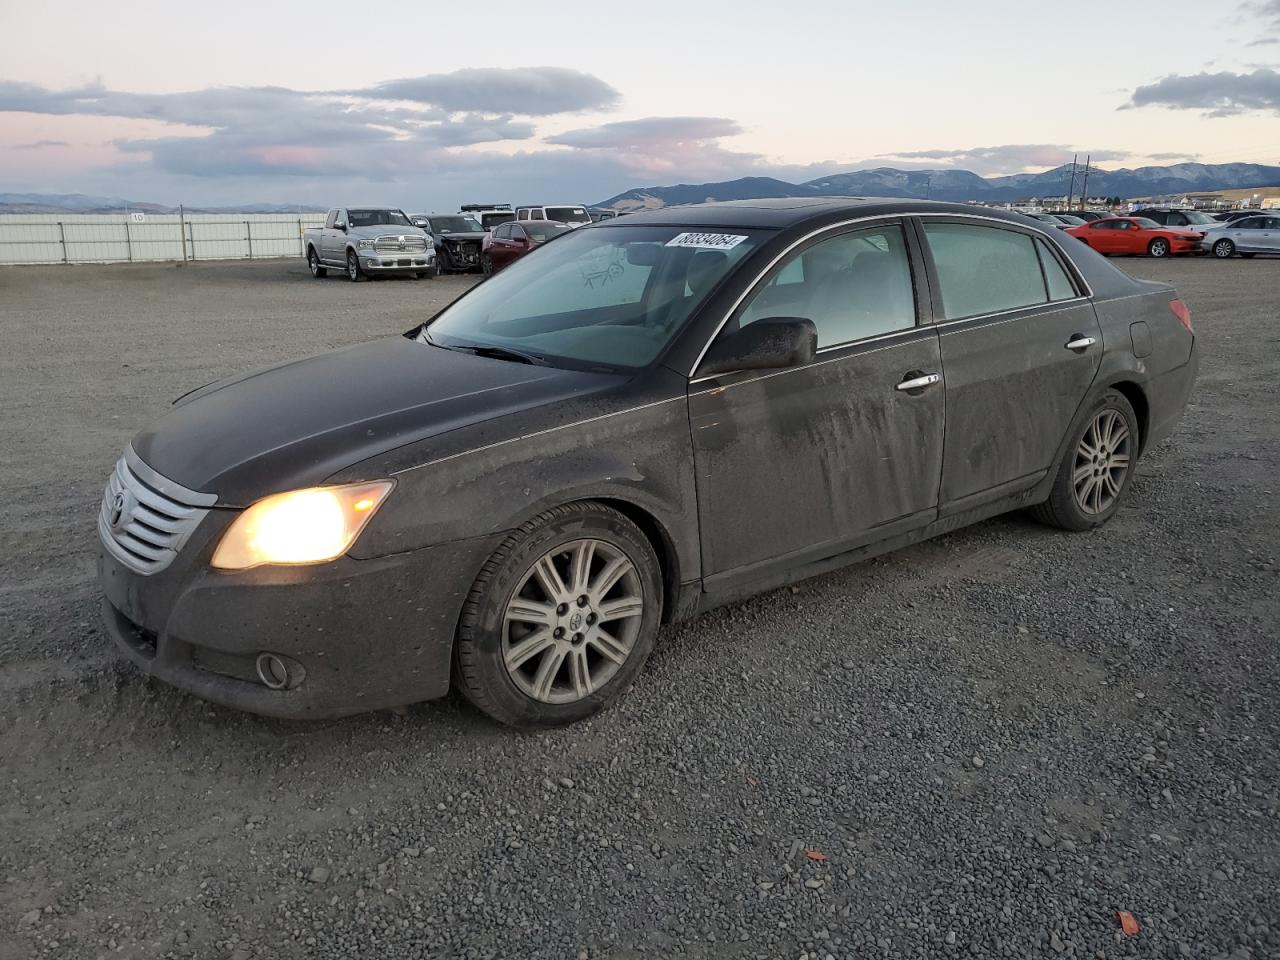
{"type": "Point", "coordinates": [81, 204]}
{"type": "Point", "coordinates": [961, 185]}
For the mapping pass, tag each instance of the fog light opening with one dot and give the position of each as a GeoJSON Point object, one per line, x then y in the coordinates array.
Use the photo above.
{"type": "Point", "coordinates": [272, 671]}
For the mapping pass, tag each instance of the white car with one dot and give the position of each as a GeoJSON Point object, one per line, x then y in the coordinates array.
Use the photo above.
{"type": "Point", "coordinates": [1246, 236]}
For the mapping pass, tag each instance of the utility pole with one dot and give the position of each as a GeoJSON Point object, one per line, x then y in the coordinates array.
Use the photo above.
{"type": "Point", "coordinates": [1084, 187]}
{"type": "Point", "coordinates": [1072, 189]}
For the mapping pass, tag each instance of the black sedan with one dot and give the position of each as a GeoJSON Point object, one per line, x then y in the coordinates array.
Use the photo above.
{"type": "Point", "coordinates": [631, 425]}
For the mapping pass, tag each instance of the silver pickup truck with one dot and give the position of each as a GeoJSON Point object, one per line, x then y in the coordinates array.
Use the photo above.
{"type": "Point", "coordinates": [364, 241]}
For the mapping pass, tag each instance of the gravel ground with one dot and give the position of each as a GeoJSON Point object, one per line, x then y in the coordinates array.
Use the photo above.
{"type": "Point", "coordinates": [985, 745]}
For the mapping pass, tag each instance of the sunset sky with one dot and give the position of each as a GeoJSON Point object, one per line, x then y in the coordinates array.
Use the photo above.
{"type": "Point", "coordinates": [425, 105]}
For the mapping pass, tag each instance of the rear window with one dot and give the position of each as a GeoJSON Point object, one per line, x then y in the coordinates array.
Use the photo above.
{"type": "Point", "coordinates": [568, 214]}
{"type": "Point", "coordinates": [984, 270]}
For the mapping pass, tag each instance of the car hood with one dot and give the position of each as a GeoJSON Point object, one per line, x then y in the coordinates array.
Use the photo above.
{"type": "Point", "coordinates": [298, 424]}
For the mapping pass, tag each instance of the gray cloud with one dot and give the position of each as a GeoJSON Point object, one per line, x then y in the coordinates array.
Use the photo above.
{"type": "Point", "coordinates": [41, 143]}
{"type": "Point", "coordinates": [531, 91]}
{"type": "Point", "coordinates": [648, 133]}
{"type": "Point", "coordinates": [1217, 94]}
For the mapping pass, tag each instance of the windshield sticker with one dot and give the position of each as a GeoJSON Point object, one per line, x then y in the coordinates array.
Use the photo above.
{"type": "Point", "coordinates": [706, 241]}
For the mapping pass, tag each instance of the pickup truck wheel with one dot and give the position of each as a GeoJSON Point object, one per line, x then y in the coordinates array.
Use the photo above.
{"type": "Point", "coordinates": [354, 273]}
{"type": "Point", "coordinates": [313, 262]}
{"type": "Point", "coordinates": [486, 264]}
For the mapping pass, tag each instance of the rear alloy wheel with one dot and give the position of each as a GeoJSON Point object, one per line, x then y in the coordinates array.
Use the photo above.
{"type": "Point", "coordinates": [1223, 249]}
{"type": "Point", "coordinates": [1159, 247]}
{"type": "Point", "coordinates": [1095, 471]}
{"type": "Point", "coordinates": [313, 262]}
{"type": "Point", "coordinates": [561, 618]}
{"type": "Point", "coordinates": [354, 273]}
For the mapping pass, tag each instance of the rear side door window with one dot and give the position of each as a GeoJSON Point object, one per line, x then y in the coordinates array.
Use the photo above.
{"type": "Point", "coordinates": [983, 270]}
{"type": "Point", "coordinates": [852, 286]}
{"type": "Point", "coordinates": [1056, 278]}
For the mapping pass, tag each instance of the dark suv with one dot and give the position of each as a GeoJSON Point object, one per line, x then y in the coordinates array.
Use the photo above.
{"type": "Point", "coordinates": [1169, 217]}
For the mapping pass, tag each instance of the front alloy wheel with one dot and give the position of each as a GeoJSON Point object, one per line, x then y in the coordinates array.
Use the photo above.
{"type": "Point", "coordinates": [1159, 247]}
{"type": "Point", "coordinates": [353, 266]}
{"type": "Point", "coordinates": [1223, 249]}
{"type": "Point", "coordinates": [572, 622]}
{"type": "Point", "coordinates": [561, 618]}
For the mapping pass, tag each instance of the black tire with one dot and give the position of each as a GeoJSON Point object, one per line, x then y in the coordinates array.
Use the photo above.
{"type": "Point", "coordinates": [313, 262]}
{"type": "Point", "coordinates": [1223, 249]}
{"type": "Point", "coordinates": [422, 275]}
{"type": "Point", "coordinates": [486, 264]}
{"type": "Point", "coordinates": [442, 262]}
{"type": "Point", "coordinates": [1158, 248]}
{"type": "Point", "coordinates": [1063, 509]}
{"type": "Point", "coordinates": [480, 671]}
{"type": "Point", "coordinates": [354, 272]}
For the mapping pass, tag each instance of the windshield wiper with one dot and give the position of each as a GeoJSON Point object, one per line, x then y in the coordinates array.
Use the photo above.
{"type": "Point", "coordinates": [503, 353]}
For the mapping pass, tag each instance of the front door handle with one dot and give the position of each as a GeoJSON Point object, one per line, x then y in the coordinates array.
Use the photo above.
{"type": "Point", "coordinates": [1079, 341]}
{"type": "Point", "coordinates": [916, 381]}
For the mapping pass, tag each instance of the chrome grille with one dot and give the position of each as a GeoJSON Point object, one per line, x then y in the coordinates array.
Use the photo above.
{"type": "Point", "coordinates": [408, 243]}
{"type": "Point", "coordinates": [146, 518]}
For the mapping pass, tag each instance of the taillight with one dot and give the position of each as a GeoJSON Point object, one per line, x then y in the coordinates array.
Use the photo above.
{"type": "Point", "coordinates": [1182, 312]}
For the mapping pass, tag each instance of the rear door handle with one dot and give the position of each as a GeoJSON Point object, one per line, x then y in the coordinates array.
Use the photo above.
{"type": "Point", "coordinates": [918, 381]}
{"type": "Point", "coordinates": [1080, 342]}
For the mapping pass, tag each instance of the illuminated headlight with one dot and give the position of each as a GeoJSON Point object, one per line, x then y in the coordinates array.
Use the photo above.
{"type": "Point", "coordinates": [301, 526]}
{"type": "Point", "coordinates": [366, 244]}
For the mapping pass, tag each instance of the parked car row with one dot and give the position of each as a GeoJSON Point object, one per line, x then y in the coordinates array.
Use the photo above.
{"type": "Point", "coordinates": [369, 241]}
{"type": "Point", "coordinates": [1170, 232]}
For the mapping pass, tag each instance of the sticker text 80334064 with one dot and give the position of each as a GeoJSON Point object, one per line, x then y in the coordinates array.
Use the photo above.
{"type": "Point", "coordinates": [706, 241]}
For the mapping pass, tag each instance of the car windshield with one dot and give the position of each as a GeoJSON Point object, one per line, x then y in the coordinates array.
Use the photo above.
{"type": "Point", "coordinates": [1146, 224]}
{"type": "Point", "coordinates": [1068, 218]}
{"type": "Point", "coordinates": [491, 220]}
{"type": "Point", "coordinates": [1198, 218]}
{"type": "Point", "coordinates": [374, 218]}
{"type": "Point", "coordinates": [455, 225]}
{"type": "Point", "coordinates": [568, 214]}
{"type": "Point", "coordinates": [545, 230]}
{"type": "Point", "coordinates": [608, 296]}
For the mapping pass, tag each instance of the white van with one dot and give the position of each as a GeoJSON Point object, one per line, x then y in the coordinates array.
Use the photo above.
{"type": "Point", "coordinates": [572, 214]}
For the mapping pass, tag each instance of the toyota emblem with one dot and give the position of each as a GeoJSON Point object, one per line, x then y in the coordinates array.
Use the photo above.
{"type": "Point", "coordinates": [118, 511]}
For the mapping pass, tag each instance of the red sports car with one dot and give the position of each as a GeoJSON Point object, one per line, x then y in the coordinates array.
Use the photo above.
{"type": "Point", "coordinates": [1138, 236]}
{"type": "Point", "coordinates": [511, 241]}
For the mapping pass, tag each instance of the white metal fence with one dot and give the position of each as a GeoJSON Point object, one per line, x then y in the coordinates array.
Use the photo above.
{"type": "Point", "coordinates": [123, 237]}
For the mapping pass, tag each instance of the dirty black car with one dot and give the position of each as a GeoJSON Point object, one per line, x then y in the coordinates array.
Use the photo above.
{"type": "Point", "coordinates": [636, 423]}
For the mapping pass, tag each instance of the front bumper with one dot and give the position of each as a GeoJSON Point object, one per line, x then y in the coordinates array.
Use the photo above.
{"type": "Point", "coordinates": [355, 635]}
{"type": "Point", "coordinates": [397, 263]}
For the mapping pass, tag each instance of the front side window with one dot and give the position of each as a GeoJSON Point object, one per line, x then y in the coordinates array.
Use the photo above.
{"type": "Point", "coordinates": [612, 296]}
{"type": "Point", "coordinates": [984, 270]}
{"type": "Point", "coordinates": [852, 286]}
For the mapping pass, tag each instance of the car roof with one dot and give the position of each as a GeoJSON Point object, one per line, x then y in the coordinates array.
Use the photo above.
{"type": "Point", "coordinates": [782, 212]}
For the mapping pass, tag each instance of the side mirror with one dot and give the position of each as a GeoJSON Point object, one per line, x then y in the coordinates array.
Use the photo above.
{"type": "Point", "coordinates": [766, 344]}
{"type": "Point", "coordinates": [340, 226]}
